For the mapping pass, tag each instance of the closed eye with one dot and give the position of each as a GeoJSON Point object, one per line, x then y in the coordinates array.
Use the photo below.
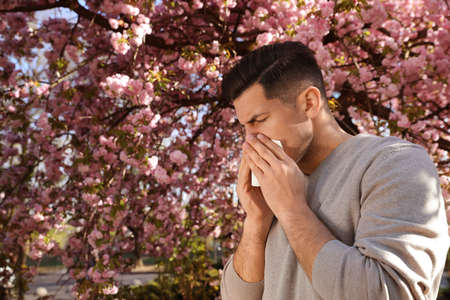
{"type": "Point", "coordinates": [257, 121]}
{"type": "Point", "coordinates": [263, 119]}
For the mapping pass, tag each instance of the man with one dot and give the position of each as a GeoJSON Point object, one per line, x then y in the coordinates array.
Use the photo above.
{"type": "Point", "coordinates": [336, 216]}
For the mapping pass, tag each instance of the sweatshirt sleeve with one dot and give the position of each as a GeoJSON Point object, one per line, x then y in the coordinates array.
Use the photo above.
{"type": "Point", "coordinates": [401, 239]}
{"type": "Point", "coordinates": [232, 287]}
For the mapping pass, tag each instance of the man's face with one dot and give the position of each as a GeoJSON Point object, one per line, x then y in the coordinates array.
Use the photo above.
{"type": "Point", "coordinates": [275, 119]}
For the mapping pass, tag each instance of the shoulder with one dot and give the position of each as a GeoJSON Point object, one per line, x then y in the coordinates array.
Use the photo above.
{"type": "Point", "coordinates": [400, 166]}
{"type": "Point", "coordinates": [390, 149]}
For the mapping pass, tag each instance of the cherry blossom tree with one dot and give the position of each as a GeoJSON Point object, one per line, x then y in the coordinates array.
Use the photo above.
{"type": "Point", "coordinates": [122, 134]}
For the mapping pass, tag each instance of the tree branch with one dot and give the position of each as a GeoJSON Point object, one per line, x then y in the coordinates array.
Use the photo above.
{"type": "Point", "coordinates": [350, 97]}
{"type": "Point", "coordinates": [150, 40]}
{"type": "Point", "coordinates": [87, 14]}
{"type": "Point", "coordinates": [444, 144]}
{"type": "Point", "coordinates": [37, 7]}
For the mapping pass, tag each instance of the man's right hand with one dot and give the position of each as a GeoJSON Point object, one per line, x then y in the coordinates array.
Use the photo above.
{"type": "Point", "coordinates": [258, 214]}
{"type": "Point", "coordinates": [248, 260]}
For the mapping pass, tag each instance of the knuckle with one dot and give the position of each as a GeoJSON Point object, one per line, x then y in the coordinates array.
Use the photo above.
{"type": "Point", "coordinates": [264, 150]}
{"type": "Point", "coordinates": [278, 170]}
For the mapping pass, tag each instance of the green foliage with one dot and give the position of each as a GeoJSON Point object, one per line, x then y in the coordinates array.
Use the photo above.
{"type": "Point", "coordinates": [348, 5]}
{"type": "Point", "coordinates": [195, 276]}
{"type": "Point", "coordinates": [60, 65]}
{"type": "Point", "coordinates": [151, 291]}
{"type": "Point", "coordinates": [444, 293]}
{"type": "Point", "coordinates": [192, 276]}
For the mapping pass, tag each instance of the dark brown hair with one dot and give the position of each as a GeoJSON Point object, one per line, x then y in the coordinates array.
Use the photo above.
{"type": "Point", "coordinates": [283, 69]}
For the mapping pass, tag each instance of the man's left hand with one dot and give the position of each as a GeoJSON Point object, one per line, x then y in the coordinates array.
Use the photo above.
{"type": "Point", "coordinates": [283, 184]}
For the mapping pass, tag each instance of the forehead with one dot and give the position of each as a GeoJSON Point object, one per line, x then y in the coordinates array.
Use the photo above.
{"type": "Point", "coordinates": [253, 101]}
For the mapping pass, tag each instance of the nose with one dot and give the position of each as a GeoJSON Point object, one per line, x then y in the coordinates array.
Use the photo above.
{"type": "Point", "coordinates": [250, 131]}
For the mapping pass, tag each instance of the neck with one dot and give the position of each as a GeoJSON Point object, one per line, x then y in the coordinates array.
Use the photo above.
{"type": "Point", "coordinates": [324, 141]}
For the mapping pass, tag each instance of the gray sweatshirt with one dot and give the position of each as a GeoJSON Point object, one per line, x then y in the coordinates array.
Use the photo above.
{"type": "Point", "coordinates": [381, 198]}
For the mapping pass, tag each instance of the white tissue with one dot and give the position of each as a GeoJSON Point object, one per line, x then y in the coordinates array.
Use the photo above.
{"type": "Point", "coordinates": [254, 180]}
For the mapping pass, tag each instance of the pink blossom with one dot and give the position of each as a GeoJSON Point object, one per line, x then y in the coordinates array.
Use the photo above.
{"type": "Point", "coordinates": [38, 217]}
{"type": "Point", "coordinates": [261, 12]}
{"type": "Point", "coordinates": [376, 14]}
{"type": "Point", "coordinates": [110, 290]}
{"type": "Point", "coordinates": [35, 254]}
{"type": "Point", "coordinates": [128, 9]}
{"type": "Point", "coordinates": [403, 121]}
{"type": "Point", "coordinates": [105, 258]}
{"type": "Point", "coordinates": [43, 89]}
{"type": "Point", "coordinates": [177, 176]}
{"type": "Point", "coordinates": [227, 115]}
{"type": "Point", "coordinates": [116, 84]}
{"type": "Point", "coordinates": [161, 175]}
{"type": "Point", "coordinates": [212, 74]}
{"type": "Point", "coordinates": [217, 231]}
{"type": "Point", "coordinates": [214, 47]}
{"type": "Point", "coordinates": [391, 90]}
{"type": "Point", "coordinates": [115, 129]}
{"type": "Point", "coordinates": [197, 4]}
{"type": "Point", "coordinates": [134, 86]}
{"type": "Point", "coordinates": [185, 65]}
{"type": "Point", "coordinates": [67, 261]}
{"type": "Point", "coordinates": [75, 243]}
{"type": "Point", "coordinates": [230, 3]}
{"type": "Point", "coordinates": [365, 75]}
{"type": "Point", "coordinates": [200, 63]}
{"type": "Point", "coordinates": [264, 38]}
{"type": "Point", "coordinates": [43, 121]}
{"type": "Point", "coordinates": [114, 23]}
{"type": "Point", "coordinates": [108, 274]}
{"type": "Point", "coordinates": [91, 199]}
{"type": "Point", "coordinates": [326, 8]}
{"type": "Point", "coordinates": [120, 42]}
{"type": "Point", "coordinates": [83, 168]}
{"type": "Point", "coordinates": [178, 157]}
{"type": "Point", "coordinates": [16, 92]}
{"type": "Point", "coordinates": [93, 237]}
{"type": "Point", "coordinates": [143, 19]}
{"type": "Point", "coordinates": [412, 67]}
{"type": "Point", "coordinates": [95, 275]}
{"type": "Point", "coordinates": [155, 120]}
{"type": "Point", "coordinates": [72, 52]}
{"type": "Point", "coordinates": [139, 32]}
{"type": "Point", "coordinates": [339, 77]}
{"type": "Point", "coordinates": [78, 275]}
{"type": "Point", "coordinates": [153, 162]}
{"type": "Point", "coordinates": [418, 126]}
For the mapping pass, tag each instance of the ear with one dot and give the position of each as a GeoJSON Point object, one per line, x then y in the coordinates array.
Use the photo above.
{"type": "Point", "coordinates": [309, 101]}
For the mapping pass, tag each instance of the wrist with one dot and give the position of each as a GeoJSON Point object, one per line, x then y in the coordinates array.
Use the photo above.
{"type": "Point", "coordinates": [298, 222]}
{"type": "Point", "coordinates": [257, 230]}
{"type": "Point", "coordinates": [295, 215]}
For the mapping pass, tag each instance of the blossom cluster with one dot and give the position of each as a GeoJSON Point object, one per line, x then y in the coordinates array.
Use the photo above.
{"type": "Point", "coordinates": [121, 134]}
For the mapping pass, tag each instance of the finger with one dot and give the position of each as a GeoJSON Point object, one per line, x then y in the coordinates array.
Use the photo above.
{"type": "Point", "coordinates": [255, 169]}
{"type": "Point", "coordinates": [247, 175]}
{"type": "Point", "coordinates": [244, 171]}
{"type": "Point", "coordinates": [263, 151]}
{"type": "Point", "coordinates": [274, 148]}
{"type": "Point", "coordinates": [256, 158]}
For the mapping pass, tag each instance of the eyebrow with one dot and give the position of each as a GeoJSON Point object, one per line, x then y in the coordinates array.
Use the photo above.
{"type": "Point", "coordinates": [255, 116]}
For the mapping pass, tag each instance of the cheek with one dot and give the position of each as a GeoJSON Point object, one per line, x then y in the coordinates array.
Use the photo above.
{"type": "Point", "coordinates": [274, 129]}
{"type": "Point", "coordinates": [298, 135]}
